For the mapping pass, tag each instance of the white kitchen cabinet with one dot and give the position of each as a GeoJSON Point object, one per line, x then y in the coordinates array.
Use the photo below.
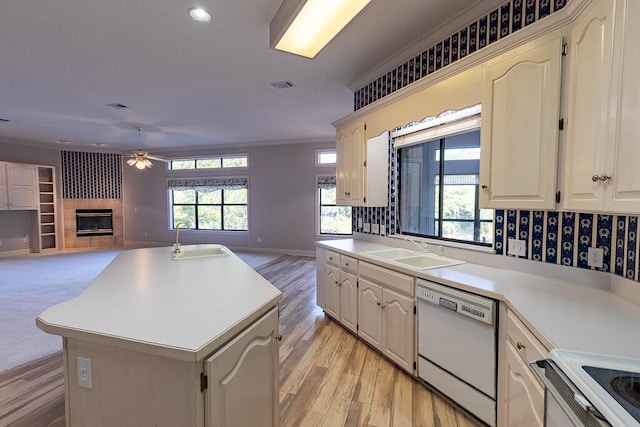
{"type": "Point", "coordinates": [362, 167]}
{"type": "Point", "coordinates": [386, 316]}
{"type": "Point", "coordinates": [20, 186]}
{"type": "Point", "coordinates": [601, 172]}
{"type": "Point", "coordinates": [520, 394]}
{"type": "Point", "coordinates": [519, 135]}
{"type": "Point", "coordinates": [338, 286]}
{"type": "Point", "coordinates": [242, 378]}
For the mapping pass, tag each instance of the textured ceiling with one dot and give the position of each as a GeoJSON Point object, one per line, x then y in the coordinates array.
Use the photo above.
{"type": "Point", "coordinates": [186, 84]}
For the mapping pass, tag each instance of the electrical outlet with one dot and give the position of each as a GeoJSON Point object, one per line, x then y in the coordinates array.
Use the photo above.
{"type": "Point", "coordinates": [517, 247]}
{"type": "Point", "coordinates": [595, 257]}
{"type": "Point", "coordinates": [259, 239]}
{"type": "Point", "coordinates": [25, 239]}
{"type": "Point", "coordinates": [359, 222]}
{"type": "Point", "coordinates": [84, 372]}
{"type": "Point", "coordinates": [375, 228]}
{"type": "Point", "coordinates": [367, 227]}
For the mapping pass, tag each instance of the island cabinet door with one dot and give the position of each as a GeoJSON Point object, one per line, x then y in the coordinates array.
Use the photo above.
{"type": "Point", "coordinates": [242, 378]}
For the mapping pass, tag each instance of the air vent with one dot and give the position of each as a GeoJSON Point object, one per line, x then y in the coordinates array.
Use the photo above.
{"type": "Point", "coordinates": [117, 106]}
{"type": "Point", "coordinates": [283, 85]}
{"type": "Point", "coordinates": [4, 120]}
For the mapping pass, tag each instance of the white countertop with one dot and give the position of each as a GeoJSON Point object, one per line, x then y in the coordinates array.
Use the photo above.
{"type": "Point", "coordinates": [182, 309]}
{"type": "Point", "coordinates": [561, 314]}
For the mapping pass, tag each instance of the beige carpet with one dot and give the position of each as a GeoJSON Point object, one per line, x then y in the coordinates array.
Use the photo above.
{"type": "Point", "coordinates": [29, 284]}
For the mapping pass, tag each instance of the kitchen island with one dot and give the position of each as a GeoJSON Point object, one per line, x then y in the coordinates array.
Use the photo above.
{"type": "Point", "coordinates": [155, 341]}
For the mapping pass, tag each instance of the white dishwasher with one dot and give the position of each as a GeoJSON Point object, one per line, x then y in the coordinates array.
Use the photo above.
{"type": "Point", "coordinates": [457, 346]}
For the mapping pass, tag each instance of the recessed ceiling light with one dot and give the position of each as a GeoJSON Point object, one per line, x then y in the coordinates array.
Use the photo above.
{"type": "Point", "coordinates": [4, 120]}
{"type": "Point", "coordinates": [62, 141]}
{"type": "Point", "coordinates": [199, 14]}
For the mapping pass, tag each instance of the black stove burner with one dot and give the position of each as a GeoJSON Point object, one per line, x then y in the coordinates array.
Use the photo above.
{"type": "Point", "coordinates": [623, 386]}
{"type": "Point", "coordinates": [628, 388]}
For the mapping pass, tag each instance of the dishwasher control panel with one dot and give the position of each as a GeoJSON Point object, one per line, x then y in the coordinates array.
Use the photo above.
{"type": "Point", "coordinates": [471, 305]}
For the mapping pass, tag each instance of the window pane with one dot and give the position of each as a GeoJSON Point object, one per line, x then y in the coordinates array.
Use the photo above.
{"type": "Point", "coordinates": [458, 202]}
{"type": "Point", "coordinates": [209, 163]}
{"type": "Point", "coordinates": [183, 164]}
{"type": "Point", "coordinates": [234, 162]}
{"type": "Point", "coordinates": [184, 214]}
{"type": "Point", "coordinates": [418, 203]}
{"type": "Point", "coordinates": [328, 196]}
{"type": "Point", "coordinates": [235, 196]}
{"type": "Point", "coordinates": [210, 197]}
{"type": "Point", "coordinates": [458, 230]}
{"type": "Point", "coordinates": [209, 217]}
{"type": "Point", "coordinates": [236, 218]}
{"type": "Point", "coordinates": [184, 196]}
{"type": "Point", "coordinates": [327, 157]}
{"type": "Point", "coordinates": [335, 220]}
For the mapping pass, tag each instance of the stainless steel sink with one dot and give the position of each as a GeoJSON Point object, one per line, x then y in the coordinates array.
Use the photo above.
{"type": "Point", "coordinates": [199, 251]}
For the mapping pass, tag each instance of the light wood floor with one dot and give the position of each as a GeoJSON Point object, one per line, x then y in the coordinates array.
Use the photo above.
{"type": "Point", "coordinates": [327, 376]}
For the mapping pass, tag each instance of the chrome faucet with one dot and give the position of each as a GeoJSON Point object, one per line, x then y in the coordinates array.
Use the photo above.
{"type": "Point", "coordinates": [177, 249]}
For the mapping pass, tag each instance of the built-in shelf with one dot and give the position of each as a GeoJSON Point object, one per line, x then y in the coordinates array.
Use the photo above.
{"type": "Point", "coordinates": [46, 209]}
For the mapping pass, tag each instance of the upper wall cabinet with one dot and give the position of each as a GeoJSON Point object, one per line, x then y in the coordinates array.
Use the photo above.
{"type": "Point", "coordinates": [362, 167]}
{"type": "Point", "coordinates": [519, 137]}
{"type": "Point", "coordinates": [601, 171]}
{"type": "Point", "coordinates": [18, 189]}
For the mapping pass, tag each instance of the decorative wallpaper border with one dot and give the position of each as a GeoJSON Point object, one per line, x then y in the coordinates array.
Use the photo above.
{"type": "Point", "coordinates": [506, 19]}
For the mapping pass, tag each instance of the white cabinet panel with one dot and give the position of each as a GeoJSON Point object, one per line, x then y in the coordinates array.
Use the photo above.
{"type": "Point", "coordinates": [370, 313]}
{"type": "Point", "coordinates": [520, 113]}
{"type": "Point", "coordinates": [243, 378]}
{"type": "Point", "coordinates": [524, 395]}
{"type": "Point", "coordinates": [4, 197]}
{"type": "Point", "coordinates": [332, 291]}
{"type": "Point", "coordinates": [398, 328]}
{"type": "Point", "coordinates": [21, 191]}
{"type": "Point", "coordinates": [349, 301]}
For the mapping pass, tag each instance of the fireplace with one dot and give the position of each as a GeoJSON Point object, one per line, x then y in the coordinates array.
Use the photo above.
{"type": "Point", "coordinates": [94, 222]}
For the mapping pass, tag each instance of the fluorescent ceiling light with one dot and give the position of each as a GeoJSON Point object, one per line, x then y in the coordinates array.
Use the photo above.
{"type": "Point", "coordinates": [304, 27]}
{"type": "Point", "coordinates": [199, 14]}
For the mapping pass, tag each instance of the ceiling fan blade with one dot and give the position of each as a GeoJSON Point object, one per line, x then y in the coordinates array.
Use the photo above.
{"type": "Point", "coordinates": [131, 161]}
{"type": "Point", "coordinates": [148, 164]}
{"type": "Point", "coordinates": [158, 158]}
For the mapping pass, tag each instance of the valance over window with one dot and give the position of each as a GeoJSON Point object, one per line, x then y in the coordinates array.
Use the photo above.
{"type": "Point", "coordinates": [326, 182]}
{"type": "Point", "coordinates": [209, 184]}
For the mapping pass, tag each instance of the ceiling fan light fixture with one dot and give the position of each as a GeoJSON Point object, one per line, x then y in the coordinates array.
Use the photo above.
{"type": "Point", "coordinates": [305, 27]}
{"type": "Point", "coordinates": [199, 14]}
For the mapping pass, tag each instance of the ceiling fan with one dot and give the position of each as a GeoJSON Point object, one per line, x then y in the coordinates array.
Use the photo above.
{"type": "Point", "coordinates": [142, 159]}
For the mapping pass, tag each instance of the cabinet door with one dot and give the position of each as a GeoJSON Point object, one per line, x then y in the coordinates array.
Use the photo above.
{"type": "Point", "coordinates": [22, 186]}
{"type": "Point", "coordinates": [358, 151]}
{"type": "Point", "coordinates": [243, 378]}
{"type": "Point", "coordinates": [343, 186]}
{"type": "Point", "coordinates": [590, 53]}
{"type": "Point", "coordinates": [4, 201]}
{"type": "Point", "coordinates": [321, 278]}
{"type": "Point", "coordinates": [349, 301]}
{"type": "Point", "coordinates": [519, 137]}
{"type": "Point", "coordinates": [332, 295]}
{"type": "Point", "coordinates": [524, 397]}
{"type": "Point", "coordinates": [624, 151]}
{"type": "Point", "coordinates": [398, 325]}
{"type": "Point", "coordinates": [370, 312]}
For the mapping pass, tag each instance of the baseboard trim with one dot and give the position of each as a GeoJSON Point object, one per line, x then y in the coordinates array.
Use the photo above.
{"type": "Point", "coordinates": [15, 252]}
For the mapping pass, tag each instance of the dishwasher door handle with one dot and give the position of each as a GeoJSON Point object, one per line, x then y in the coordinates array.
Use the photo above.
{"type": "Point", "coordinates": [451, 305]}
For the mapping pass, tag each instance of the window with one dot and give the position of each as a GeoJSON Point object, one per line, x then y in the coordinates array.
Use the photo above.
{"type": "Point", "coordinates": [439, 190]}
{"type": "Point", "coordinates": [332, 219]}
{"type": "Point", "coordinates": [218, 162]}
{"type": "Point", "coordinates": [211, 203]}
{"type": "Point", "coordinates": [326, 157]}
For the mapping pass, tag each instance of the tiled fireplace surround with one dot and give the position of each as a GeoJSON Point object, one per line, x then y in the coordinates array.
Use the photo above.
{"type": "Point", "coordinates": [71, 241]}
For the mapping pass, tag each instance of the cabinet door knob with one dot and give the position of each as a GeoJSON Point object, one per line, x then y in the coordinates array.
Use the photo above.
{"type": "Point", "coordinates": [383, 306]}
{"type": "Point", "coordinates": [378, 303]}
{"type": "Point", "coordinates": [604, 177]}
{"type": "Point", "coordinates": [484, 186]}
{"type": "Point", "coordinates": [520, 345]}
{"type": "Point", "coordinates": [279, 337]}
{"type": "Point", "coordinates": [336, 282]}
{"type": "Point", "coordinates": [339, 284]}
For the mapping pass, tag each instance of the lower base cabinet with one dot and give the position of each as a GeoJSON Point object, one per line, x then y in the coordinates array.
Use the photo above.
{"type": "Point", "coordinates": [243, 378]}
{"type": "Point", "coordinates": [524, 406]}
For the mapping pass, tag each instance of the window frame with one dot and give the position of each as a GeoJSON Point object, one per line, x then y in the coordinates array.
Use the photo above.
{"type": "Point", "coordinates": [319, 208]}
{"type": "Point", "coordinates": [320, 151]}
{"type": "Point", "coordinates": [439, 220]}
{"type": "Point", "coordinates": [193, 227]}
{"type": "Point", "coordinates": [221, 157]}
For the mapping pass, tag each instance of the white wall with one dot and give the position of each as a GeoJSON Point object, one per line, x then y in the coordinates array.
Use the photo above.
{"type": "Point", "coordinates": [281, 200]}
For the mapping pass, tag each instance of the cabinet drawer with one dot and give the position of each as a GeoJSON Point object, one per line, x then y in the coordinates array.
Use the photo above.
{"type": "Point", "coordinates": [527, 345]}
{"type": "Point", "coordinates": [349, 264]}
{"type": "Point", "coordinates": [333, 258]}
{"type": "Point", "coordinates": [391, 279]}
